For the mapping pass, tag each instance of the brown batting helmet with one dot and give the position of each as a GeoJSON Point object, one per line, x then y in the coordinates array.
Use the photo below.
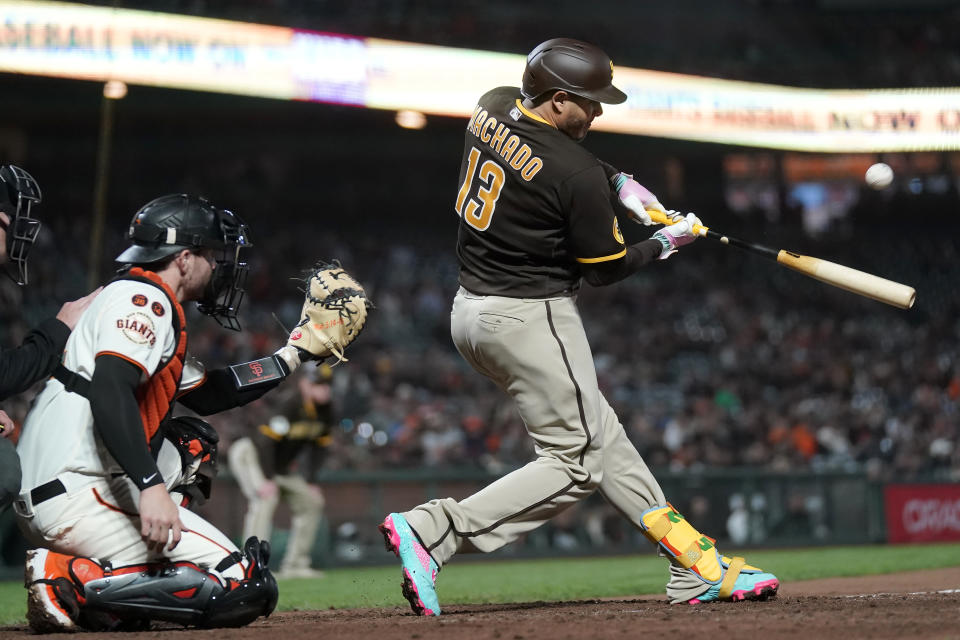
{"type": "Point", "coordinates": [573, 66]}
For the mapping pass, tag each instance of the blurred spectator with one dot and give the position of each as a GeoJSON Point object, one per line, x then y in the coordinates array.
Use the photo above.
{"type": "Point", "coordinates": [743, 363]}
{"type": "Point", "coordinates": [267, 465]}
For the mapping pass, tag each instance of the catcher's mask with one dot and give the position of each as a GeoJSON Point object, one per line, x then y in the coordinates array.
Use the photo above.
{"type": "Point", "coordinates": [18, 193]}
{"type": "Point", "coordinates": [576, 67]}
{"type": "Point", "coordinates": [171, 223]}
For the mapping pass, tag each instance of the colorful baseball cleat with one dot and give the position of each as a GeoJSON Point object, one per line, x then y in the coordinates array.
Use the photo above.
{"type": "Point", "coordinates": [740, 582]}
{"type": "Point", "coordinates": [52, 597]}
{"type": "Point", "coordinates": [419, 570]}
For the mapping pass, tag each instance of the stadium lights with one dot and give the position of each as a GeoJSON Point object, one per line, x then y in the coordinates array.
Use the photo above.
{"type": "Point", "coordinates": [204, 54]}
{"type": "Point", "coordinates": [115, 90]}
{"type": "Point", "coordinates": [409, 119]}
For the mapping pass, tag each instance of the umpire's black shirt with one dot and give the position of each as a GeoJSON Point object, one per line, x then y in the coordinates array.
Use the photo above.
{"type": "Point", "coordinates": [33, 360]}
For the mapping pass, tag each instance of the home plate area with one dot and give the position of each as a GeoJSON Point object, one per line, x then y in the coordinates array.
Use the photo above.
{"type": "Point", "coordinates": [920, 604]}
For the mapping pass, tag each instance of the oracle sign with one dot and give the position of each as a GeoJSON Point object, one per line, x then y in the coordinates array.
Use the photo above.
{"type": "Point", "coordinates": [922, 512]}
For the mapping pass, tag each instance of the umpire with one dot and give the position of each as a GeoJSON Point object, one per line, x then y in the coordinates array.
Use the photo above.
{"type": "Point", "coordinates": [537, 215]}
{"type": "Point", "coordinates": [40, 351]}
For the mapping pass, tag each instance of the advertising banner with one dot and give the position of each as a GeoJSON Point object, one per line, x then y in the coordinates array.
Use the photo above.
{"type": "Point", "coordinates": [204, 54]}
{"type": "Point", "coordinates": [922, 512]}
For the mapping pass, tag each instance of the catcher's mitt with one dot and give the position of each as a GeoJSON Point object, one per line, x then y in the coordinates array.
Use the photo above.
{"type": "Point", "coordinates": [333, 313]}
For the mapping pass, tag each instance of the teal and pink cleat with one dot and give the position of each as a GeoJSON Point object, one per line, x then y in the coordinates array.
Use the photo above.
{"type": "Point", "coordinates": [419, 569]}
{"type": "Point", "coordinates": [751, 584]}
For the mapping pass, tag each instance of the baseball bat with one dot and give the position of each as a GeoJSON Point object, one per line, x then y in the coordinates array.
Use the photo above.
{"type": "Point", "coordinates": [859, 282]}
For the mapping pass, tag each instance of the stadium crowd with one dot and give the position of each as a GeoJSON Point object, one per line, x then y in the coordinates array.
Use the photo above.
{"type": "Point", "coordinates": [712, 359]}
{"type": "Point", "coordinates": [717, 360]}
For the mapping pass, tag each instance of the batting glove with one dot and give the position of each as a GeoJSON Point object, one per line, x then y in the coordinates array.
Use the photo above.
{"type": "Point", "coordinates": [678, 234]}
{"type": "Point", "coordinates": [636, 198]}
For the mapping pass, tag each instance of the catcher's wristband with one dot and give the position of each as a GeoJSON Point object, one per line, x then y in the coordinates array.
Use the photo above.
{"type": "Point", "coordinates": [290, 356]}
{"type": "Point", "coordinates": [251, 375]}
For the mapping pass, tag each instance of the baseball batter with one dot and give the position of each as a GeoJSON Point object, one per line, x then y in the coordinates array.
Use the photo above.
{"type": "Point", "coordinates": [537, 216]}
{"type": "Point", "coordinates": [106, 473]}
{"type": "Point", "coordinates": [39, 354]}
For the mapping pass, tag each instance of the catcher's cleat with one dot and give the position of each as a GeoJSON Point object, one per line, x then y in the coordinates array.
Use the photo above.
{"type": "Point", "coordinates": [419, 569]}
{"type": "Point", "coordinates": [52, 597]}
{"type": "Point", "coordinates": [741, 582]}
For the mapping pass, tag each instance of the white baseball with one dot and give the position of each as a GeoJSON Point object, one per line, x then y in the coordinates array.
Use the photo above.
{"type": "Point", "coordinates": [879, 176]}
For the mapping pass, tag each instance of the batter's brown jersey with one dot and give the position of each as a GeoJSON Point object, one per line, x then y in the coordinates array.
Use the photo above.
{"type": "Point", "coordinates": [533, 204]}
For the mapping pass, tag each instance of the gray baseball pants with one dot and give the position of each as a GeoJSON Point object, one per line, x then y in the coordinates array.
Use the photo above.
{"type": "Point", "coordinates": [536, 350]}
{"type": "Point", "coordinates": [306, 504]}
{"type": "Point", "coordinates": [9, 472]}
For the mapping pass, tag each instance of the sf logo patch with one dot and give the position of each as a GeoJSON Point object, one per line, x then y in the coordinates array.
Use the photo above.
{"type": "Point", "coordinates": [157, 309]}
{"type": "Point", "coordinates": [139, 300]}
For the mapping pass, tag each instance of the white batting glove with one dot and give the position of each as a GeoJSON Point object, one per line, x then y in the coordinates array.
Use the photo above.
{"type": "Point", "coordinates": [636, 198]}
{"type": "Point", "coordinates": [678, 234]}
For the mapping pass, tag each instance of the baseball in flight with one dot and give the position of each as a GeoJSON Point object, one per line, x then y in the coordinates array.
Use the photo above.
{"type": "Point", "coordinates": [879, 176]}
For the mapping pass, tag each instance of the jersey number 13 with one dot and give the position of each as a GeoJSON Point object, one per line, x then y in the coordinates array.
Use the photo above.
{"type": "Point", "coordinates": [477, 209]}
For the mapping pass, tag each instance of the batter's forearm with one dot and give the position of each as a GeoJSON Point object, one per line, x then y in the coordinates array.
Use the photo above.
{"type": "Point", "coordinates": [599, 274]}
{"type": "Point", "coordinates": [608, 169]}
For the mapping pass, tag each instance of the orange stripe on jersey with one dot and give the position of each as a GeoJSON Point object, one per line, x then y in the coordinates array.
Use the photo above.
{"type": "Point", "coordinates": [531, 114]}
{"type": "Point", "coordinates": [612, 256]}
{"type": "Point", "coordinates": [122, 357]}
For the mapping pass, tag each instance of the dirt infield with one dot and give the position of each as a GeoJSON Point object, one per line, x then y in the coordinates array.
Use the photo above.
{"type": "Point", "coordinates": [922, 604]}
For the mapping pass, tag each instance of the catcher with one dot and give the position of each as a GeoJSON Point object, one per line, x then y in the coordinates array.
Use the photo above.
{"type": "Point", "coordinates": [108, 474]}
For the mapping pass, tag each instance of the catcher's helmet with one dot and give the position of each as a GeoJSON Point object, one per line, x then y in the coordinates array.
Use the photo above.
{"type": "Point", "coordinates": [18, 193]}
{"type": "Point", "coordinates": [169, 224]}
{"type": "Point", "coordinates": [573, 66]}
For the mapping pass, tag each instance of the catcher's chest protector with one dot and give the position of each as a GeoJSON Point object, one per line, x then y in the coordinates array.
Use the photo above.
{"type": "Point", "coordinates": [155, 397]}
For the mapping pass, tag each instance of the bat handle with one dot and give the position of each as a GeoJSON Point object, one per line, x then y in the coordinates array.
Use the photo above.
{"type": "Point", "coordinates": [661, 218]}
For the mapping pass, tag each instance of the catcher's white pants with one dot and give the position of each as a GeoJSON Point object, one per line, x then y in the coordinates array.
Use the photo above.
{"type": "Point", "coordinates": [98, 518]}
{"type": "Point", "coordinates": [536, 350]}
{"type": "Point", "coordinates": [305, 500]}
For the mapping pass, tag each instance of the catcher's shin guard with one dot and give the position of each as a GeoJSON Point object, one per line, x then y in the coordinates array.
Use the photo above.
{"type": "Point", "coordinates": [186, 594]}
{"type": "Point", "coordinates": [688, 548]}
{"type": "Point", "coordinates": [254, 596]}
{"type": "Point", "coordinates": [99, 597]}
